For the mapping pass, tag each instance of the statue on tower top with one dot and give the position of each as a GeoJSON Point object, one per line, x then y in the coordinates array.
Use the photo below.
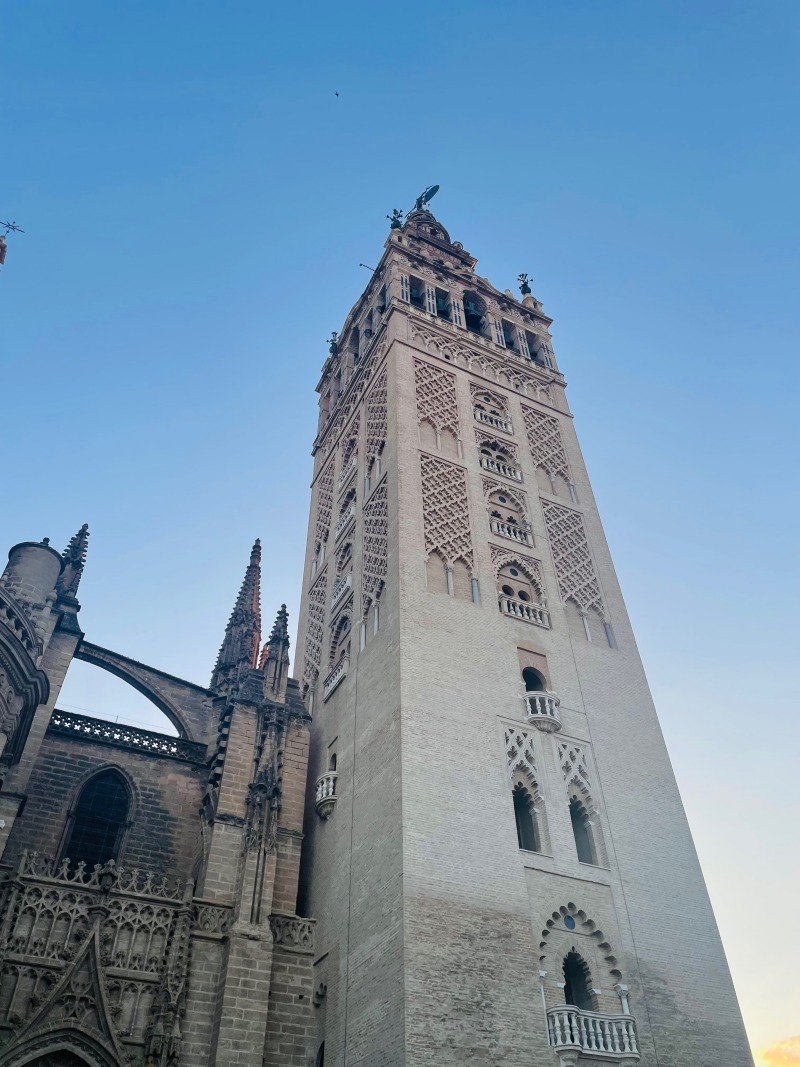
{"type": "Point", "coordinates": [425, 197]}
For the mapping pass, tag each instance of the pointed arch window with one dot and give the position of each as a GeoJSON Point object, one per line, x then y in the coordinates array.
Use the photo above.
{"type": "Point", "coordinates": [98, 821]}
{"type": "Point", "coordinates": [528, 835]}
{"type": "Point", "coordinates": [583, 832]}
{"type": "Point", "coordinates": [578, 982]}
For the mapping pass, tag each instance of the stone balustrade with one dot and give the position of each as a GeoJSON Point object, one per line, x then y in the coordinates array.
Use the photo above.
{"type": "Point", "coordinates": [114, 733]}
{"type": "Point", "coordinates": [518, 609]}
{"type": "Point", "coordinates": [497, 422]}
{"type": "Point", "coordinates": [340, 587]}
{"type": "Point", "coordinates": [602, 1036]}
{"type": "Point", "coordinates": [541, 709]}
{"type": "Point", "coordinates": [325, 794]}
{"type": "Point", "coordinates": [505, 470]}
{"type": "Point", "coordinates": [347, 516]}
{"type": "Point", "coordinates": [512, 532]}
{"type": "Point", "coordinates": [337, 675]}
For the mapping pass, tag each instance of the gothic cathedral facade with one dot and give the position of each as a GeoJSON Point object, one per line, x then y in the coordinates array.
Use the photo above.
{"type": "Point", "coordinates": [455, 838]}
{"type": "Point", "coordinates": [500, 866]}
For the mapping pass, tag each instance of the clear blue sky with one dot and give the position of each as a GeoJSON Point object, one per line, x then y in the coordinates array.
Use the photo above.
{"type": "Point", "coordinates": [197, 201]}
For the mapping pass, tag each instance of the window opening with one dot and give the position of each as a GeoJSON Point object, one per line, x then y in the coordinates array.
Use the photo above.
{"type": "Point", "coordinates": [578, 982]}
{"type": "Point", "coordinates": [417, 293]}
{"type": "Point", "coordinates": [525, 816]}
{"type": "Point", "coordinates": [99, 820]}
{"type": "Point", "coordinates": [582, 831]}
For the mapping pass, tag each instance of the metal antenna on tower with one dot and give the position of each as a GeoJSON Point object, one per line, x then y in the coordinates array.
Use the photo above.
{"type": "Point", "coordinates": [10, 227]}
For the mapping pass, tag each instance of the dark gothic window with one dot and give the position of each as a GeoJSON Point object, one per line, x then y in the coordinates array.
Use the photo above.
{"type": "Point", "coordinates": [320, 1060]}
{"type": "Point", "coordinates": [98, 820]}
{"type": "Point", "coordinates": [582, 830]}
{"type": "Point", "coordinates": [578, 982]}
{"type": "Point", "coordinates": [525, 815]}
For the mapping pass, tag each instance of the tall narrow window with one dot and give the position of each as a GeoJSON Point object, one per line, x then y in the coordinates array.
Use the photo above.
{"type": "Point", "coordinates": [578, 982]}
{"type": "Point", "coordinates": [509, 335]}
{"type": "Point", "coordinates": [475, 313]}
{"type": "Point", "coordinates": [582, 831]}
{"type": "Point", "coordinates": [416, 293]}
{"type": "Point", "coordinates": [443, 305]}
{"type": "Point", "coordinates": [98, 820]}
{"type": "Point", "coordinates": [525, 816]}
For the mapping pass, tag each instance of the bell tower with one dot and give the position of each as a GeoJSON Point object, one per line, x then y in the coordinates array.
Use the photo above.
{"type": "Point", "coordinates": [496, 850]}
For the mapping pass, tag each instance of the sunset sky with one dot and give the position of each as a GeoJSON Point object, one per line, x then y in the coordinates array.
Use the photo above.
{"type": "Point", "coordinates": [197, 201]}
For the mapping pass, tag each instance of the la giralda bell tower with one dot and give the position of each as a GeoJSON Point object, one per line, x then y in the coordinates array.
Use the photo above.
{"type": "Point", "coordinates": [496, 852]}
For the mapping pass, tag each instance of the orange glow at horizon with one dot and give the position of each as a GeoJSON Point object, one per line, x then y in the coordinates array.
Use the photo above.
{"type": "Point", "coordinates": [784, 1053]}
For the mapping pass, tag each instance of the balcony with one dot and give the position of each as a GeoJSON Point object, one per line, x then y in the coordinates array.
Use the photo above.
{"type": "Point", "coordinates": [344, 521]}
{"type": "Point", "coordinates": [340, 588]}
{"type": "Point", "coordinates": [325, 794]}
{"type": "Point", "coordinates": [337, 675]}
{"type": "Point", "coordinates": [541, 709]}
{"type": "Point", "coordinates": [347, 473]}
{"type": "Point", "coordinates": [517, 609]}
{"type": "Point", "coordinates": [503, 469]}
{"type": "Point", "coordinates": [512, 532]}
{"type": "Point", "coordinates": [609, 1037]}
{"type": "Point", "coordinates": [497, 422]}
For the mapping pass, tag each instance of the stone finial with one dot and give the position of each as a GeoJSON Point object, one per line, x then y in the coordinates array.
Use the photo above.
{"type": "Point", "coordinates": [74, 556]}
{"type": "Point", "coordinates": [524, 284]}
{"type": "Point", "coordinates": [239, 650]}
{"type": "Point", "coordinates": [275, 656]}
{"type": "Point", "coordinates": [333, 343]}
{"type": "Point", "coordinates": [395, 219]}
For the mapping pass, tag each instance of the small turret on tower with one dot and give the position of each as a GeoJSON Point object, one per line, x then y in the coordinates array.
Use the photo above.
{"type": "Point", "coordinates": [74, 557]}
{"type": "Point", "coordinates": [240, 646]}
{"type": "Point", "coordinates": [275, 656]}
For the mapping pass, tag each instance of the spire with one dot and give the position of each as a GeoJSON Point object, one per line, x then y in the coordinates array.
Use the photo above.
{"type": "Point", "coordinates": [242, 639]}
{"type": "Point", "coordinates": [74, 557]}
{"type": "Point", "coordinates": [275, 656]}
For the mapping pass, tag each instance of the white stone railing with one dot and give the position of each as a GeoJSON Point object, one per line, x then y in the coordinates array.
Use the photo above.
{"type": "Point", "coordinates": [569, 1028]}
{"type": "Point", "coordinates": [344, 521]}
{"type": "Point", "coordinates": [347, 472]}
{"type": "Point", "coordinates": [497, 422]}
{"type": "Point", "coordinates": [518, 609]}
{"type": "Point", "coordinates": [505, 469]}
{"type": "Point", "coordinates": [325, 794]}
{"type": "Point", "coordinates": [512, 532]}
{"type": "Point", "coordinates": [338, 674]}
{"type": "Point", "coordinates": [340, 587]}
{"type": "Point", "coordinates": [541, 709]}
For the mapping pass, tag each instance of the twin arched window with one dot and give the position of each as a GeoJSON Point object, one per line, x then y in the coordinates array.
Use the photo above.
{"type": "Point", "coordinates": [98, 821]}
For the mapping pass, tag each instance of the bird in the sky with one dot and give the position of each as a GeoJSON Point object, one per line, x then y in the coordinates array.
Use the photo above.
{"type": "Point", "coordinates": [337, 92]}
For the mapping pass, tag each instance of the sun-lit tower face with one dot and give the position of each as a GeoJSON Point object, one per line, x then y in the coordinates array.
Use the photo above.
{"type": "Point", "coordinates": [495, 849]}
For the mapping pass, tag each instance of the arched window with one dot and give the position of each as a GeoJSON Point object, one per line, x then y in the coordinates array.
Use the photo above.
{"type": "Point", "coordinates": [534, 682]}
{"type": "Point", "coordinates": [505, 509]}
{"type": "Point", "coordinates": [340, 642]}
{"type": "Point", "coordinates": [416, 292]}
{"type": "Point", "coordinates": [494, 452]}
{"type": "Point", "coordinates": [578, 982]}
{"type": "Point", "coordinates": [98, 821]}
{"type": "Point", "coordinates": [582, 831]}
{"type": "Point", "coordinates": [528, 836]}
{"type": "Point", "coordinates": [475, 313]}
{"type": "Point", "coordinates": [513, 583]}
